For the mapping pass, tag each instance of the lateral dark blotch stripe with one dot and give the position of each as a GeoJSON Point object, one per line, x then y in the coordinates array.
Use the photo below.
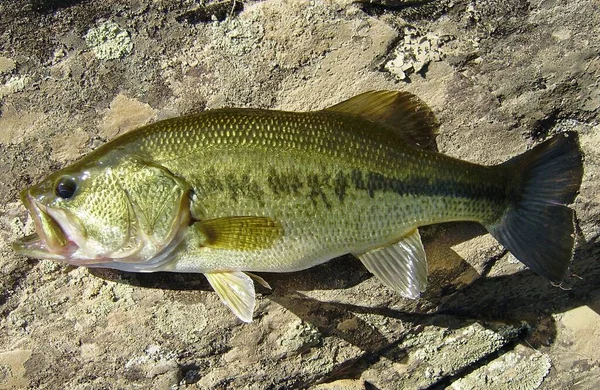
{"type": "Point", "coordinates": [423, 186]}
{"type": "Point", "coordinates": [356, 177]}
{"type": "Point", "coordinates": [233, 186]}
{"type": "Point", "coordinates": [284, 183]}
{"type": "Point", "coordinates": [317, 184]}
{"type": "Point", "coordinates": [253, 190]}
{"type": "Point", "coordinates": [212, 182]}
{"type": "Point", "coordinates": [340, 184]}
{"type": "Point", "coordinates": [244, 186]}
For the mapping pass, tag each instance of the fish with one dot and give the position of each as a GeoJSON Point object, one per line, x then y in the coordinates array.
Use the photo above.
{"type": "Point", "coordinates": [233, 191]}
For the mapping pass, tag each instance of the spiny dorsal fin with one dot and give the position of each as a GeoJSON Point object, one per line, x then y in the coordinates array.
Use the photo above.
{"type": "Point", "coordinates": [239, 233]}
{"type": "Point", "coordinates": [402, 111]}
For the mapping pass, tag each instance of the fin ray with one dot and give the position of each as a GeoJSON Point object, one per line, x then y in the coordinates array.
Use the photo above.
{"type": "Point", "coordinates": [239, 233]}
{"type": "Point", "coordinates": [259, 280]}
{"type": "Point", "coordinates": [404, 113]}
{"type": "Point", "coordinates": [537, 227]}
{"type": "Point", "coordinates": [236, 290]}
{"type": "Point", "coordinates": [401, 266]}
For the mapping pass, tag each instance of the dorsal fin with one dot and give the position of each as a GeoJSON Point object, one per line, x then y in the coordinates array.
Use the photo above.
{"type": "Point", "coordinates": [402, 111]}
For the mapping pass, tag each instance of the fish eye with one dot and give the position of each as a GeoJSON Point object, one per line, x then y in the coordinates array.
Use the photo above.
{"type": "Point", "coordinates": [65, 187]}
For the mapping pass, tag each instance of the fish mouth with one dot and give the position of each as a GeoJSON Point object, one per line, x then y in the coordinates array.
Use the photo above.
{"type": "Point", "coordinates": [50, 241]}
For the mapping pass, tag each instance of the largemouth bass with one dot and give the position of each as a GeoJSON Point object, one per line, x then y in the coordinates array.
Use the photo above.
{"type": "Point", "coordinates": [231, 191]}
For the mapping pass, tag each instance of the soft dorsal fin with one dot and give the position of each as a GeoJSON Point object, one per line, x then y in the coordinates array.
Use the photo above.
{"type": "Point", "coordinates": [402, 111]}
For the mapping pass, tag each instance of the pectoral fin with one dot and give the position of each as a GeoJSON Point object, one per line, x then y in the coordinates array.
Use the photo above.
{"type": "Point", "coordinates": [236, 290]}
{"type": "Point", "coordinates": [239, 233]}
{"type": "Point", "coordinates": [401, 266]}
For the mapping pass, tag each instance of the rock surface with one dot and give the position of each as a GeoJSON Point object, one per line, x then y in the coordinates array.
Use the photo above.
{"type": "Point", "coordinates": [500, 74]}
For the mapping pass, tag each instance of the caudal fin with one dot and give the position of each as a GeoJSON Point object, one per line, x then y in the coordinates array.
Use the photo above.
{"type": "Point", "coordinates": [538, 226]}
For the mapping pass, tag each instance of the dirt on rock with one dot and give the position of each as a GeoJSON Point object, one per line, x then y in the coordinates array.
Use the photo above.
{"type": "Point", "coordinates": [501, 75]}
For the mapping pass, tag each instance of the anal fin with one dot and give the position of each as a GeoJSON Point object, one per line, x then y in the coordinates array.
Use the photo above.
{"type": "Point", "coordinates": [236, 290]}
{"type": "Point", "coordinates": [259, 280]}
{"type": "Point", "coordinates": [401, 266]}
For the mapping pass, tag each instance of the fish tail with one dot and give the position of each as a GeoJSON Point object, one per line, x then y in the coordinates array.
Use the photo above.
{"type": "Point", "coordinates": [537, 226]}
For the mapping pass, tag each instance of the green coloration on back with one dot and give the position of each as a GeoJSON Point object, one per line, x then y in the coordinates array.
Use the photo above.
{"type": "Point", "coordinates": [235, 190]}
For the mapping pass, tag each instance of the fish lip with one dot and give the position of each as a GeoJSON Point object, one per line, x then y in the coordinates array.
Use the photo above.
{"type": "Point", "coordinates": [37, 244]}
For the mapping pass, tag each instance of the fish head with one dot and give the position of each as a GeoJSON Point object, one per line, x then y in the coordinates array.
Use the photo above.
{"type": "Point", "coordinates": [102, 213]}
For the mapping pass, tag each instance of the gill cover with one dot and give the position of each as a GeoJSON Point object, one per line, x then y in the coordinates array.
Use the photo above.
{"type": "Point", "coordinates": [158, 205]}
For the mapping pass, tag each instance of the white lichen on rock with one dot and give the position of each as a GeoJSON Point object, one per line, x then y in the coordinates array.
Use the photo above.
{"type": "Point", "coordinates": [109, 41]}
{"type": "Point", "coordinates": [415, 52]}
{"type": "Point", "coordinates": [299, 336]}
{"type": "Point", "coordinates": [155, 362]}
{"type": "Point", "coordinates": [238, 36]}
{"type": "Point", "coordinates": [13, 85]}
{"type": "Point", "coordinates": [522, 368]}
{"type": "Point", "coordinates": [7, 65]}
{"type": "Point", "coordinates": [434, 354]}
{"type": "Point", "coordinates": [438, 352]}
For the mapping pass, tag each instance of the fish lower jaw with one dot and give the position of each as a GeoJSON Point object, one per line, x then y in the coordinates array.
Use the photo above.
{"type": "Point", "coordinates": [49, 241]}
{"type": "Point", "coordinates": [35, 247]}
